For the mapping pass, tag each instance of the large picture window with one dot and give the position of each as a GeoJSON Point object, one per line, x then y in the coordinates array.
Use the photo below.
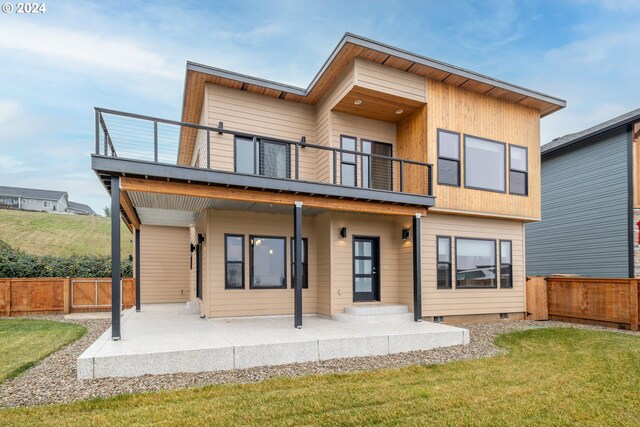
{"type": "Point", "coordinates": [444, 262]}
{"type": "Point", "coordinates": [348, 166]}
{"type": "Point", "coordinates": [268, 262]}
{"type": "Point", "coordinates": [475, 263]}
{"type": "Point", "coordinates": [305, 263]}
{"type": "Point", "coordinates": [506, 269]}
{"type": "Point", "coordinates": [262, 157]}
{"type": "Point", "coordinates": [485, 164]}
{"type": "Point", "coordinates": [518, 170]}
{"type": "Point", "coordinates": [448, 158]}
{"type": "Point", "coordinates": [234, 261]}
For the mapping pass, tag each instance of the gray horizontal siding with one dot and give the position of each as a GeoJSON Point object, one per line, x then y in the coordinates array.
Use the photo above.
{"type": "Point", "coordinates": [584, 227]}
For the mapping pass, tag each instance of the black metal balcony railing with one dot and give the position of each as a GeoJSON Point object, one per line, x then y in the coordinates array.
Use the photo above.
{"type": "Point", "coordinates": [138, 137]}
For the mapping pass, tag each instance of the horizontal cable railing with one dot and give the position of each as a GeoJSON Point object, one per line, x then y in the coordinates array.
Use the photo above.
{"type": "Point", "coordinates": [139, 137]}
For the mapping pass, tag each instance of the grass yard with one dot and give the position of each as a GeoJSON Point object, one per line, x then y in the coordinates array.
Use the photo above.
{"type": "Point", "coordinates": [549, 377]}
{"type": "Point", "coordinates": [23, 342]}
{"type": "Point", "coordinates": [41, 233]}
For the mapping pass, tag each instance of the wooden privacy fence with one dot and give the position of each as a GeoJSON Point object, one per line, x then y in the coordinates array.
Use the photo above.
{"type": "Point", "coordinates": [584, 300]}
{"type": "Point", "coordinates": [21, 297]}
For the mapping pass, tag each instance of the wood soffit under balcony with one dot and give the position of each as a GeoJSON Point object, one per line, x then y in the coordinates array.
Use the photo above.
{"type": "Point", "coordinates": [351, 47]}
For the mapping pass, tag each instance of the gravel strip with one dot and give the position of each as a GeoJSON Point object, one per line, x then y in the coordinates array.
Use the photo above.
{"type": "Point", "coordinates": [53, 380]}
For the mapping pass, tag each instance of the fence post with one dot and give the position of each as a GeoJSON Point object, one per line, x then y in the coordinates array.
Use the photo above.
{"type": "Point", "coordinates": [633, 305]}
{"type": "Point", "coordinates": [7, 297]}
{"type": "Point", "coordinates": [66, 292]}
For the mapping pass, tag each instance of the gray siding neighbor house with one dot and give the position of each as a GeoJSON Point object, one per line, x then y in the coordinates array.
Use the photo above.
{"type": "Point", "coordinates": [32, 199]}
{"type": "Point", "coordinates": [588, 209]}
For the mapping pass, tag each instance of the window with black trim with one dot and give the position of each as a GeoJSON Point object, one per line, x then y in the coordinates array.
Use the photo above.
{"type": "Point", "coordinates": [475, 263]}
{"type": "Point", "coordinates": [268, 262]}
{"type": "Point", "coordinates": [234, 261]}
{"type": "Point", "coordinates": [444, 262]}
{"type": "Point", "coordinates": [348, 166]}
{"type": "Point", "coordinates": [305, 263]}
{"type": "Point", "coordinates": [484, 164]}
{"type": "Point", "coordinates": [506, 269]}
{"type": "Point", "coordinates": [518, 170]}
{"type": "Point", "coordinates": [262, 157]}
{"type": "Point", "coordinates": [448, 158]}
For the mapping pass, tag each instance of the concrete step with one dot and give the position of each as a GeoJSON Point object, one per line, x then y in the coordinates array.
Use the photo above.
{"type": "Point", "coordinates": [373, 318]}
{"type": "Point", "coordinates": [379, 309]}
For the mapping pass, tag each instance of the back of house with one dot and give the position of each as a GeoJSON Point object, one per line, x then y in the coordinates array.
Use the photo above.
{"type": "Point", "coordinates": [590, 203]}
{"type": "Point", "coordinates": [402, 179]}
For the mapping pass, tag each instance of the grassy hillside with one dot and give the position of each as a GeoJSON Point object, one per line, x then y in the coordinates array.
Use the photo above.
{"type": "Point", "coordinates": [42, 233]}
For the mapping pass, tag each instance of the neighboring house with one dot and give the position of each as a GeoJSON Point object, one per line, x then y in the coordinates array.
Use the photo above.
{"type": "Point", "coordinates": [32, 199]}
{"type": "Point", "coordinates": [590, 203]}
{"type": "Point", "coordinates": [344, 168]}
{"type": "Point", "coordinates": [80, 209]}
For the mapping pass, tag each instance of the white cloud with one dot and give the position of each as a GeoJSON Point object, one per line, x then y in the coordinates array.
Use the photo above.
{"type": "Point", "coordinates": [11, 165]}
{"type": "Point", "coordinates": [9, 110]}
{"type": "Point", "coordinates": [85, 48]}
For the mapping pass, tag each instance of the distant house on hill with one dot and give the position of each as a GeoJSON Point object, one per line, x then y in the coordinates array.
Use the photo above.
{"type": "Point", "coordinates": [32, 199]}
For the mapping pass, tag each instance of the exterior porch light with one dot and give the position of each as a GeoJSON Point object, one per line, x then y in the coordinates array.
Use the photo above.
{"type": "Point", "coordinates": [343, 232]}
{"type": "Point", "coordinates": [399, 111]}
{"type": "Point", "coordinates": [357, 102]}
{"type": "Point", "coordinates": [405, 233]}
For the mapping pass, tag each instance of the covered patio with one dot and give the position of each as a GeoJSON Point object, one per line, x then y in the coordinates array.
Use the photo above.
{"type": "Point", "coordinates": [158, 340]}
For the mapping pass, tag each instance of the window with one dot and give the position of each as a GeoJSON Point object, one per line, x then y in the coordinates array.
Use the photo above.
{"type": "Point", "coordinates": [448, 158]}
{"type": "Point", "coordinates": [485, 164]}
{"type": "Point", "coordinates": [348, 161]}
{"type": "Point", "coordinates": [506, 271]}
{"type": "Point", "coordinates": [475, 263]}
{"type": "Point", "coordinates": [376, 172]}
{"type": "Point", "coordinates": [234, 260]}
{"type": "Point", "coordinates": [444, 262]}
{"type": "Point", "coordinates": [518, 170]}
{"type": "Point", "coordinates": [305, 263]}
{"type": "Point", "coordinates": [47, 204]}
{"type": "Point", "coordinates": [268, 262]}
{"type": "Point", "coordinates": [262, 157]}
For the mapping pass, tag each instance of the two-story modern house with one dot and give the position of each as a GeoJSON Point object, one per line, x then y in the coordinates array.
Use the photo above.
{"type": "Point", "coordinates": [391, 179]}
{"type": "Point", "coordinates": [590, 203]}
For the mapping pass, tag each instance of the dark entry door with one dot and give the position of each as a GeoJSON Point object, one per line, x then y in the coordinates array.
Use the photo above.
{"type": "Point", "coordinates": [199, 267]}
{"type": "Point", "coordinates": [366, 280]}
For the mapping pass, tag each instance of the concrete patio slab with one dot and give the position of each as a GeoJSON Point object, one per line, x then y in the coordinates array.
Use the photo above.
{"type": "Point", "coordinates": [158, 340]}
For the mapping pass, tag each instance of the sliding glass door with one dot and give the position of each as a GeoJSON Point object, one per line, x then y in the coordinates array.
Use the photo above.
{"type": "Point", "coordinates": [376, 172]}
{"type": "Point", "coordinates": [262, 157]}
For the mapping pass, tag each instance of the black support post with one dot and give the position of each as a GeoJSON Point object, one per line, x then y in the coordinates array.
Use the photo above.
{"type": "Point", "coordinates": [417, 270]}
{"type": "Point", "coordinates": [138, 270]}
{"type": "Point", "coordinates": [297, 247]}
{"type": "Point", "coordinates": [116, 300]}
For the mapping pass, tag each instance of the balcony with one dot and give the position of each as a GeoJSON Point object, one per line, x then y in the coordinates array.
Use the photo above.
{"type": "Point", "coordinates": [145, 147]}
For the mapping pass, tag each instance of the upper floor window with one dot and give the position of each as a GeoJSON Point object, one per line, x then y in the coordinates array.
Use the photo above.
{"type": "Point", "coordinates": [485, 164]}
{"type": "Point", "coordinates": [348, 163]}
{"type": "Point", "coordinates": [448, 158]}
{"type": "Point", "coordinates": [262, 157]}
{"type": "Point", "coordinates": [518, 170]}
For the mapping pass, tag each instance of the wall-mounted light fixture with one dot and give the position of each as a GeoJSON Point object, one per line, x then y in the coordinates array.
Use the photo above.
{"type": "Point", "coordinates": [405, 233]}
{"type": "Point", "coordinates": [357, 102]}
{"type": "Point", "coordinates": [192, 247]}
{"type": "Point", "coordinates": [343, 232]}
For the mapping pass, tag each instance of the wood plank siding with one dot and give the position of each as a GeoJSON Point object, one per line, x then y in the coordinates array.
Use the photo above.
{"type": "Point", "coordinates": [164, 264]}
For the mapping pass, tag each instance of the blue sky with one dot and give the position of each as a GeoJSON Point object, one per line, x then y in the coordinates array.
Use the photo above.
{"type": "Point", "coordinates": [131, 56]}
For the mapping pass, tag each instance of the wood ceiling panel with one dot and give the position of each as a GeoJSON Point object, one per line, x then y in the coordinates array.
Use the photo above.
{"type": "Point", "coordinates": [498, 92]}
{"type": "Point", "coordinates": [428, 72]}
{"type": "Point", "coordinates": [376, 105]}
{"type": "Point", "coordinates": [476, 86]}
{"type": "Point", "coordinates": [398, 63]}
{"type": "Point", "coordinates": [455, 80]}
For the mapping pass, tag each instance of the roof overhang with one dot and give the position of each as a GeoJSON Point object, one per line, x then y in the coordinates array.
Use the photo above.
{"type": "Point", "coordinates": [351, 46]}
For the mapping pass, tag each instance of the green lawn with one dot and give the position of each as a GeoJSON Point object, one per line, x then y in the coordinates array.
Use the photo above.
{"type": "Point", "coordinates": [549, 377]}
{"type": "Point", "coordinates": [41, 233]}
{"type": "Point", "coordinates": [25, 341]}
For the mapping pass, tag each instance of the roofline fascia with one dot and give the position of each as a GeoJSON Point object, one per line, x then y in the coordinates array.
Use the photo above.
{"type": "Point", "coordinates": [381, 47]}
{"type": "Point", "coordinates": [589, 135]}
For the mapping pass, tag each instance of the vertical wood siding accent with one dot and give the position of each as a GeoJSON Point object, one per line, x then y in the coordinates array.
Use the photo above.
{"type": "Point", "coordinates": [584, 228]}
{"type": "Point", "coordinates": [459, 110]}
{"type": "Point", "coordinates": [221, 302]}
{"type": "Point", "coordinates": [164, 264]}
{"type": "Point", "coordinates": [390, 80]}
{"type": "Point", "coordinates": [412, 144]}
{"type": "Point", "coordinates": [449, 302]}
{"type": "Point", "coordinates": [257, 114]}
